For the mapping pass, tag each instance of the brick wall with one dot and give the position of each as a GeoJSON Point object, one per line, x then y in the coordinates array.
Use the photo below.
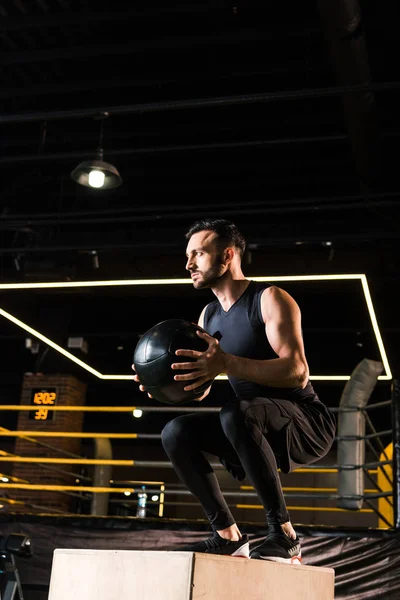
{"type": "Point", "coordinates": [70, 392]}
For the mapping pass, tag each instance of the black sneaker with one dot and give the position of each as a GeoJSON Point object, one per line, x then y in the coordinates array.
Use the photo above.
{"type": "Point", "coordinates": [278, 547]}
{"type": "Point", "coordinates": [218, 545]}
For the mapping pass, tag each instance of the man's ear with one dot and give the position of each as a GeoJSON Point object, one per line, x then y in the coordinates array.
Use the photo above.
{"type": "Point", "coordinates": [228, 255]}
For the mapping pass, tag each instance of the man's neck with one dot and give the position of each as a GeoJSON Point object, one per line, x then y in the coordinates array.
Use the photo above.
{"type": "Point", "coordinates": [230, 291]}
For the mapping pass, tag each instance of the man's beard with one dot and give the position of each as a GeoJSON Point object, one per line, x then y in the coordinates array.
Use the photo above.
{"type": "Point", "coordinates": [209, 278]}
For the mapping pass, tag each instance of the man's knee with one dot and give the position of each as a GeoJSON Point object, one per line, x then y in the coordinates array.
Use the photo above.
{"type": "Point", "coordinates": [173, 433]}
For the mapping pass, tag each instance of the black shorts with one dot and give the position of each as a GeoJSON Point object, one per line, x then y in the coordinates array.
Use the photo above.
{"type": "Point", "coordinates": [304, 431]}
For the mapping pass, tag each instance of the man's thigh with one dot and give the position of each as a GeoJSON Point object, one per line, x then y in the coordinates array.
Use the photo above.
{"type": "Point", "coordinates": [205, 432]}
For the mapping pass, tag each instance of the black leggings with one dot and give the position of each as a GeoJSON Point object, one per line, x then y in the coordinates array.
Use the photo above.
{"type": "Point", "coordinates": [251, 433]}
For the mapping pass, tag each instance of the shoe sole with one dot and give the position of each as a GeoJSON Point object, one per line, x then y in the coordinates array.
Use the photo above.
{"type": "Point", "coordinates": [243, 551]}
{"type": "Point", "coordinates": [294, 560]}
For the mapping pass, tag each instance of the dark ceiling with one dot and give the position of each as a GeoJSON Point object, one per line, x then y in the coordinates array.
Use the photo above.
{"type": "Point", "coordinates": [280, 116]}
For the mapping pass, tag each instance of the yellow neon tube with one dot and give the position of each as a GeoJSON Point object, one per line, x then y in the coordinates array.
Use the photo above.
{"type": "Point", "coordinates": [50, 343]}
{"type": "Point", "coordinates": [130, 282]}
{"type": "Point", "coordinates": [375, 327]}
{"type": "Point", "coordinates": [173, 281]}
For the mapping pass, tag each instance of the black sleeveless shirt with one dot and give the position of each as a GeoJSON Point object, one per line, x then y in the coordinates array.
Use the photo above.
{"type": "Point", "coordinates": [241, 331]}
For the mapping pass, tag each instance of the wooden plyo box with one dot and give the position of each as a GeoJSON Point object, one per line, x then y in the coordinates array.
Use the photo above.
{"type": "Point", "coordinates": [160, 575]}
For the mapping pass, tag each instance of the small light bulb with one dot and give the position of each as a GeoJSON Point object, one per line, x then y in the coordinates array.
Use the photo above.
{"type": "Point", "coordinates": [127, 493]}
{"type": "Point", "coordinates": [137, 413]}
{"type": "Point", "coordinates": [154, 498]}
{"type": "Point", "coordinates": [96, 179]}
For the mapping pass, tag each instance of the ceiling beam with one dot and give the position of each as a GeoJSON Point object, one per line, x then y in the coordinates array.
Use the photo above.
{"type": "Point", "coordinates": [214, 102]}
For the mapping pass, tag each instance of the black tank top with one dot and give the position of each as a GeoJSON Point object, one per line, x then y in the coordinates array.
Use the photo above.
{"type": "Point", "coordinates": [241, 331]}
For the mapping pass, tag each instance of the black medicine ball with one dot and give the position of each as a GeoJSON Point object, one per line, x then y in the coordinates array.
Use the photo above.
{"type": "Point", "coordinates": [155, 353]}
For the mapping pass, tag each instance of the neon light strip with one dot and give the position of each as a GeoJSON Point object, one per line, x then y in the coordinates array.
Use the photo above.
{"type": "Point", "coordinates": [50, 343]}
{"type": "Point", "coordinates": [375, 327]}
{"type": "Point", "coordinates": [177, 281]}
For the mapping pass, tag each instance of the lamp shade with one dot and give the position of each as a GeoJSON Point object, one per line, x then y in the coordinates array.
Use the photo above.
{"type": "Point", "coordinates": [81, 173]}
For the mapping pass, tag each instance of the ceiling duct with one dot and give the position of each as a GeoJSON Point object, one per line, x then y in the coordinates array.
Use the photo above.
{"type": "Point", "coordinates": [344, 32]}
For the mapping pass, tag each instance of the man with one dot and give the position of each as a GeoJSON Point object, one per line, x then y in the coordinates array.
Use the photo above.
{"type": "Point", "coordinates": [275, 421]}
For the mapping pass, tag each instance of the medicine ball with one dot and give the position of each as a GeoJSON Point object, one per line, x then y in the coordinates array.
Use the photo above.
{"type": "Point", "coordinates": [155, 353]}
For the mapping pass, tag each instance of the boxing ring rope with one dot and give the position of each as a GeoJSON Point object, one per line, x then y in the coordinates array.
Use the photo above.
{"type": "Point", "coordinates": [369, 468]}
{"type": "Point", "coordinates": [26, 435]}
{"type": "Point", "coordinates": [166, 409]}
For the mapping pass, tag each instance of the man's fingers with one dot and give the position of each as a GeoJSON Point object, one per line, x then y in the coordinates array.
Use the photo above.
{"type": "Point", "coordinates": [189, 353]}
{"type": "Point", "coordinates": [141, 387]}
{"type": "Point", "coordinates": [184, 366]}
{"type": "Point", "coordinates": [204, 334]}
{"type": "Point", "coordinates": [186, 377]}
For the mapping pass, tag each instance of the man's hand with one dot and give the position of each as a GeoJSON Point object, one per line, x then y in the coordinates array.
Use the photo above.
{"type": "Point", "coordinates": [141, 387]}
{"type": "Point", "coordinates": [206, 365]}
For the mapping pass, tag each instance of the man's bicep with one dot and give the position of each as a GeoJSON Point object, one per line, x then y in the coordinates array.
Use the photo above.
{"type": "Point", "coordinates": [285, 337]}
{"type": "Point", "coordinates": [283, 323]}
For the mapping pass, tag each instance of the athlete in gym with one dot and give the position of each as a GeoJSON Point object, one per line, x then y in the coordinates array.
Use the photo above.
{"type": "Point", "coordinates": [276, 420]}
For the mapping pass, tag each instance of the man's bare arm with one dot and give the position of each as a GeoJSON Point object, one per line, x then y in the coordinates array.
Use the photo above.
{"type": "Point", "coordinates": [283, 329]}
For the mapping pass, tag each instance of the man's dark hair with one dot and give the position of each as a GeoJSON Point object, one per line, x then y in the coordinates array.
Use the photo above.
{"type": "Point", "coordinates": [227, 233]}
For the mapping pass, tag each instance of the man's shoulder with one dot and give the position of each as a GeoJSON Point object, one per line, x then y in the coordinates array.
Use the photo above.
{"type": "Point", "coordinates": [276, 298]}
{"type": "Point", "coordinates": [264, 290]}
{"type": "Point", "coordinates": [274, 292]}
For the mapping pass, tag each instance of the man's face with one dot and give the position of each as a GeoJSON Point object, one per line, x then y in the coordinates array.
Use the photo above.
{"type": "Point", "coordinates": [205, 262]}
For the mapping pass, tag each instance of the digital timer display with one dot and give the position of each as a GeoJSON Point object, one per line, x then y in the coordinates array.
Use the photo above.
{"type": "Point", "coordinates": [43, 398]}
